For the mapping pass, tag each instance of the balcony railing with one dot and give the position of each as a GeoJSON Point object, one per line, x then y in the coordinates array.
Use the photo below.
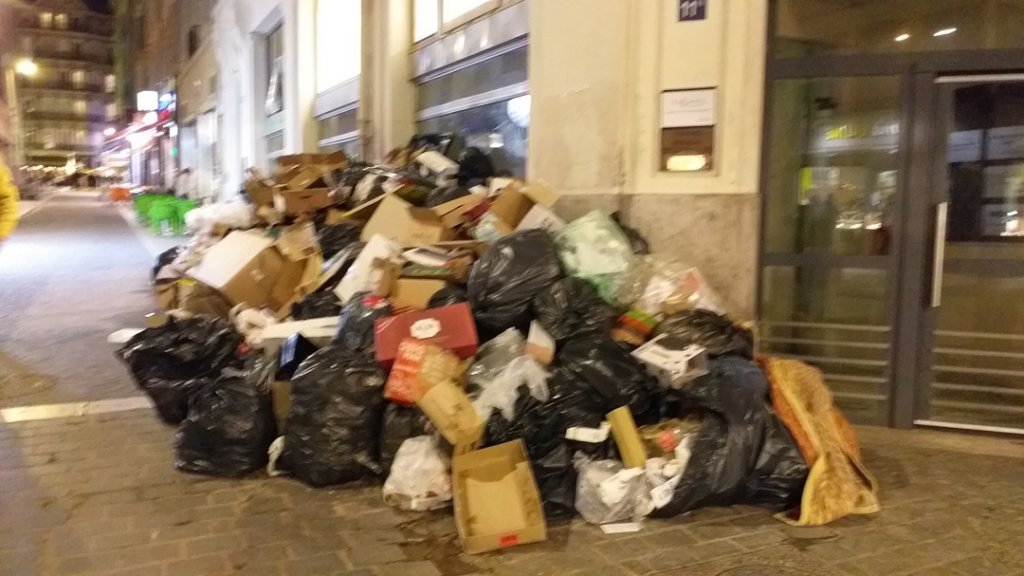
{"type": "Point", "coordinates": [66, 86]}
{"type": "Point", "coordinates": [79, 56]}
{"type": "Point", "coordinates": [63, 116]}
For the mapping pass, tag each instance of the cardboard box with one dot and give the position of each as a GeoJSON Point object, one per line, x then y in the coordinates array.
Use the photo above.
{"type": "Point", "coordinates": [412, 294]}
{"type": "Point", "coordinates": [294, 202]}
{"type": "Point", "coordinates": [627, 437]}
{"type": "Point", "coordinates": [166, 295]}
{"type": "Point", "coordinates": [202, 300]}
{"type": "Point", "coordinates": [418, 368]}
{"type": "Point", "coordinates": [541, 218]}
{"type": "Point", "coordinates": [497, 503]}
{"type": "Point", "coordinates": [246, 267]}
{"type": "Point", "coordinates": [673, 362]}
{"type": "Point", "coordinates": [450, 327]}
{"type": "Point", "coordinates": [259, 189]}
{"type": "Point", "coordinates": [298, 242]}
{"type": "Point", "coordinates": [281, 402]}
{"type": "Point", "coordinates": [408, 225]}
{"type": "Point", "coordinates": [453, 415]}
{"type": "Point", "coordinates": [513, 203]}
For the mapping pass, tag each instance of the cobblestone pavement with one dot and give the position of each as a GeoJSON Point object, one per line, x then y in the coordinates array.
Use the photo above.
{"type": "Point", "coordinates": [72, 273]}
{"type": "Point", "coordinates": [99, 494]}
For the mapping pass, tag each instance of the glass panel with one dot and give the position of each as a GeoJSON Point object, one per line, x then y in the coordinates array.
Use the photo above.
{"type": "Point", "coordinates": [822, 27]}
{"type": "Point", "coordinates": [350, 148]}
{"type": "Point", "coordinates": [338, 124]}
{"type": "Point", "coordinates": [498, 72]}
{"type": "Point", "coordinates": [338, 42]}
{"type": "Point", "coordinates": [499, 129]}
{"type": "Point", "coordinates": [452, 9]}
{"type": "Point", "coordinates": [978, 354]}
{"type": "Point", "coordinates": [424, 19]}
{"type": "Point", "coordinates": [833, 161]}
{"type": "Point", "coordinates": [835, 319]}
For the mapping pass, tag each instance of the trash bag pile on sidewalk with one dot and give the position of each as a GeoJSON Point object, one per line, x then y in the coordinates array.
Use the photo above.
{"type": "Point", "coordinates": [441, 331]}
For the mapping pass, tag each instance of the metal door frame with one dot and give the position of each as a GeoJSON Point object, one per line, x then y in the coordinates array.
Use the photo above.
{"type": "Point", "coordinates": [909, 267]}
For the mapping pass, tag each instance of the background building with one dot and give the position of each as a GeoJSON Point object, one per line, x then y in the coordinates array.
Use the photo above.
{"type": "Point", "coordinates": [68, 102]}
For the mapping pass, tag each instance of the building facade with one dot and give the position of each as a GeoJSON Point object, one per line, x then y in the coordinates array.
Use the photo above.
{"type": "Point", "coordinates": [69, 101]}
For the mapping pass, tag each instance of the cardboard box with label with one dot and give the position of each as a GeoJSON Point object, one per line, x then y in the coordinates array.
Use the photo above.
{"type": "Point", "coordinates": [408, 225]}
{"type": "Point", "coordinates": [672, 361]}
{"type": "Point", "coordinates": [497, 503]}
{"type": "Point", "coordinates": [246, 267]}
{"type": "Point", "coordinates": [450, 327]}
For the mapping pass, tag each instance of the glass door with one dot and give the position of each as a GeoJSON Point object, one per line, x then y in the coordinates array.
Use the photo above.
{"type": "Point", "coordinates": [972, 332]}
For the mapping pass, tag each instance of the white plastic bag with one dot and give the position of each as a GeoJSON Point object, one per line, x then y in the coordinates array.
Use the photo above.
{"type": "Point", "coordinates": [237, 215]}
{"type": "Point", "coordinates": [420, 477]}
{"type": "Point", "coordinates": [359, 275]}
{"type": "Point", "coordinates": [606, 492]}
{"type": "Point", "coordinates": [501, 393]}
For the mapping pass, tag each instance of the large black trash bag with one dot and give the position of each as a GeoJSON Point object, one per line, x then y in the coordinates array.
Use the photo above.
{"type": "Point", "coordinates": [358, 316]}
{"type": "Point", "coordinates": [333, 433]}
{"type": "Point", "coordinates": [637, 243]}
{"type": "Point", "coordinates": [400, 423]}
{"type": "Point", "coordinates": [230, 424]}
{"type": "Point", "coordinates": [740, 446]}
{"type": "Point", "coordinates": [166, 257]}
{"type": "Point", "coordinates": [172, 362]}
{"type": "Point", "coordinates": [709, 329]}
{"type": "Point", "coordinates": [443, 194]}
{"type": "Point", "coordinates": [474, 166]}
{"type": "Point", "coordinates": [504, 281]}
{"type": "Point", "coordinates": [447, 296]}
{"type": "Point", "coordinates": [609, 376]}
{"type": "Point", "coordinates": [571, 308]}
{"type": "Point", "coordinates": [334, 238]}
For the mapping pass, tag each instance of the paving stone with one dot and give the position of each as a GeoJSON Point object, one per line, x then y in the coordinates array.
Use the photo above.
{"type": "Point", "coordinates": [420, 568]}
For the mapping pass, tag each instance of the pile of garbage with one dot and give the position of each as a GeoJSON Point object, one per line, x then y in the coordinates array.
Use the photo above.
{"type": "Point", "coordinates": [442, 330]}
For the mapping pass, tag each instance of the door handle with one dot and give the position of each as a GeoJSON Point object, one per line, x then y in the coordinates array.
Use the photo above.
{"type": "Point", "coordinates": [939, 252]}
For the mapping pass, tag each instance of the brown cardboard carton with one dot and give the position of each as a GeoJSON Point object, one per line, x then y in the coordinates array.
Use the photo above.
{"type": "Point", "coordinates": [513, 203]}
{"type": "Point", "coordinates": [627, 437]}
{"type": "Point", "coordinates": [259, 189]}
{"type": "Point", "coordinates": [246, 267]}
{"type": "Point", "coordinates": [497, 504]}
{"type": "Point", "coordinates": [411, 226]}
{"type": "Point", "coordinates": [453, 414]}
{"type": "Point", "coordinates": [199, 299]}
{"type": "Point", "coordinates": [383, 276]}
{"type": "Point", "coordinates": [410, 294]}
{"type": "Point", "coordinates": [295, 202]}
{"type": "Point", "coordinates": [298, 242]}
{"type": "Point", "coordinates": [166, 295]}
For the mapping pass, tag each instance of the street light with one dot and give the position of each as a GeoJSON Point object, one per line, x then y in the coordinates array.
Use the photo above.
{"type": "Point", "coordinates": [26, 67]}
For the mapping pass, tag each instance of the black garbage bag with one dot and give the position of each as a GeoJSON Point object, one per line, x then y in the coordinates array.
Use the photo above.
{"type": "Point", "coordinates": [166, 257]}
{"type": "Point", "coordinates": [609, 377]}
{"type": "Point", "coordinates": [741, 454]}
{"type": "Point", "coordinates": [443, 194]}
{"type": "Point", "coordinates": [447, 296]}
{"type": "Point", "coordinates": [334, 238]}
{"type": "Point", "coordinates": [170, 363]}
{"type": "Point", "coordinates": [230, 424]}
{"type": "Point", "coordinates": [355, 327]}
{"type": "Point", "coordinates": [709, 329]}
{"type": "Point", "coordinates": [571, 308]}
{"type": "Point", "coordinates": [400, 423]}
{"type": "Point", "coordinates": [637, 242]}
{"type": "Point", "coordinates": [503, 282]}
{"type": "Point", "coordinates": [333, 433]}
{"type": "Point", "coordinates": [474, 166]}
{"type": "Point", "coordinates": [316, 305]}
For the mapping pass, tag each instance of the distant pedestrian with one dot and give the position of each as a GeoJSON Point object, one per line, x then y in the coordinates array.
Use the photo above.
{"type": "Point", "coordinates": [8, 203]}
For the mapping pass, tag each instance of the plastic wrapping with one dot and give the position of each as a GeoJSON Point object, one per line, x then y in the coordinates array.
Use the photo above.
{"type": "Point", "coordinates": [333, 431]}
{"type": "Point", "coordinates": [420, 480]}
{"type": "Point", "coordinates": [714, 332]}
{"type": "Point", "coordinates": [355, 328]}
{"type": "Point", "coordinates": [447, 296]}
{"type": "Point", "coordinates": [233, 215]}
{"type": "Point", "coordinates": [666, 286]}
{"type": "Point", "coordinates": [594, 248]}
{"type": "Point", "coordinates": [172, 362]}
{"type": "Point", "coordinates": [164, 259]}
{"type": "Point", "coordinates": [230, 424]}
{"type": "Point", "coordinates": [637, 242]}
{"type": "Point", "coordinates": [741, 454]}
{"type": "Point", "coordinates": [316, 305]}
{"type": "Point", "coordinates": [502, 392]}
{"type": "Point", "coordinates": [571, 308]}
{"type": "Point", "coordinates": [609, 377]}
{"type": "Point", "coordinates": [606, 492]}
{"type": "Point", "coordinates": [507, 277]}
{"type": "Point", "coordinates": [333, 238]}
{"type": "Point", "coordinates": [400, 423]}
{"type": "Point", "coordinates": [492, 358]}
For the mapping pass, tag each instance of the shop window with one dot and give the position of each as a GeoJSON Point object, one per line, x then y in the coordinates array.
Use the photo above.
{"type": "Point", "coordinates": [46, 19]}
{"type": "Point", "coordinates": [109, 83]}
{"type": "Point", "coordinates": [338, 42]}
{"type": "Point", "coordinates": [274, 61]}
{"type": "Point", "coordinates": [500, 130]}
{"type": "Point", "coordinates": [60, 22]}
{"type": "Point", "coordinates": [814, 28]}
{"type": "Point", "coordinates": [78, 78]}
{"type": "Point", "coordinates": [340, 132]}
{"type": "Point", "coordinates": [425, 19]}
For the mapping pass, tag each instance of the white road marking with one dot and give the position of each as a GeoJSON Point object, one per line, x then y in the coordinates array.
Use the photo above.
{"type": "Point", "coordinates": [73, 409]}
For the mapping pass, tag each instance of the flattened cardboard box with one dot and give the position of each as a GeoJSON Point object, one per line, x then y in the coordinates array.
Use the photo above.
{"type": "Point", "coordinates": [497, 503]}
{"type": "Point", "coordinates": [411, 226]}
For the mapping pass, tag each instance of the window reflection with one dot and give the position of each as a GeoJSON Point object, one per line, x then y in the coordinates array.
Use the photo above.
{"type": "Point", "coordinates": [500, 130]}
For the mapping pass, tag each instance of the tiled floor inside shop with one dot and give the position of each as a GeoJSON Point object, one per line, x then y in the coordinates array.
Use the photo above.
{"type": "Point", "coordinates": [93, 489]}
